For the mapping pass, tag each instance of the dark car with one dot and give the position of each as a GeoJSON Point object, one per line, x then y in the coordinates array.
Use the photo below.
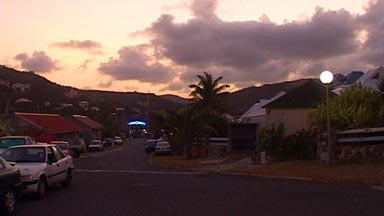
{"type": "Point", "coordinates": [10, 186]}
{"type": "Point", "coordinates": [150, 146]}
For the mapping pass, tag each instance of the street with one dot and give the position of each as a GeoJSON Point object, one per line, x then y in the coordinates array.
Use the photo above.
{"type": "Point", "coordinates": [121, 182]}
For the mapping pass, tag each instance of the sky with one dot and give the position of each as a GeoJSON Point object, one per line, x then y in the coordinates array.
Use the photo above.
{"type": "Point", "coordinates": [161, 46]}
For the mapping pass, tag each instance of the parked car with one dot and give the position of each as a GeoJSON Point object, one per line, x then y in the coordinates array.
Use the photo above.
{"type": "Point", "coordinates": [64, 146]}
{"type": "Point", "coordinates": [118, 140]}
{"type": "Point", "coordinates": [8, 141]}
{"type": "Point", "coordinates": [77, 147]}
{"type": "Point", "coordinates": [41, 166]}
{"type": "Point", "coordinates": [96, 145]}
{"type": "Point", "coordinates": [10, 186]}
{"type": "Point", "coordinates": [108, 142]}
{"type": "Point", "coordinates": [163, 147]}
{"type": "Point", "coordinates": [150, 146]}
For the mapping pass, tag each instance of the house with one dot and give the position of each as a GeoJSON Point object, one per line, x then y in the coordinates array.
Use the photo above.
{"type": "Point", "coordinates": [48, 125]}
{"type": "Point", "coordinates": [90, 129]}
{"type": "Point", "coordinates": [256, 114]}
{"type": "Point", "coordinates": [21, 87]}
{"type": "Point", "coordinates": [369, 79]}
{"type": "Point", "coordinates": [342, 83]}
{"type": "Point", "coordinates": [294, 108]}
{"type": "Point", "coordinates": [372, 77]}
{"type": "Point", "coordinates": [84, 105]}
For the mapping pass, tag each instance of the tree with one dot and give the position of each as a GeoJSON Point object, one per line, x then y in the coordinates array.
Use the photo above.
{"type": "Point", "coordinates": [185, 126]}
{"type": "Point", "coordinates": [208, 93]}
{"type": "Point", "coordinates": [358, 107]}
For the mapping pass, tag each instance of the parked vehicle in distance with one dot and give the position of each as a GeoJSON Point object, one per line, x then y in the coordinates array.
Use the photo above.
{"type": "Point", "coordinates": [118, 140]}
{"type": "Point", "coordinates": [150, 146]}
{"type": "Point", "coordinates": [8, 141]}
{"type": "Point", "coordinates": [41, 166]}
{"type": "Point", "coordinates": [96, 145]}
{"type": "Point", "coordinates": [77, 147]}
{"type": "Point", "coordinates": [108, 142]}
{"type": "Point", "coordinates": [163, 147]}
{"type": "Point", "coordinates": [64, 146]}
{"type": "Point", "coordinates": [10, 186]}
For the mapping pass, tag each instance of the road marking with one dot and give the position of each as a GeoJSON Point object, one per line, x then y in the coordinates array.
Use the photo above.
{"type": "Point", "coordinates": [140, 172]}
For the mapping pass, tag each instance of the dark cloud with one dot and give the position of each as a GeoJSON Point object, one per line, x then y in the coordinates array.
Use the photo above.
{"type": "Point", "coordinates": [373, 23]}
{"type": "Point", "coordinates": [105, 84]}
{"type": "Point", "coordinates": [76, 44]}
{"type": "Point", "coordinates": [134, 64]}
{"type": "Point", "coordinates": [39, 62]}
{"type": "Point", "coordinates": [92, 47]}
{"type": "Point", "coordinates": [248, 52]}
{"type": "Point", "coordinates": [204, 9]}
{"type": "Point", "coordinates": [84, 65]}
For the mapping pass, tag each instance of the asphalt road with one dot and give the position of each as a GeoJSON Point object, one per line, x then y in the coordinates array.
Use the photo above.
{"type": "Point", "coordinates": [122, 183]}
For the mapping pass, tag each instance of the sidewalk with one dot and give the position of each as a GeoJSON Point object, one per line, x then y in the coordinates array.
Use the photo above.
{"type": "Point", "coordinates": [355, 173]}
{"type": "Point", "coordinates": [225, 166]}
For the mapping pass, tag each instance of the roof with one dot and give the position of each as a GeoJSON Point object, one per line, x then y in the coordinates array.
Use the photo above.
{"type": "Point", "coordinates": [307, 95]}
{"type": "Point", "coordinates": [353, 77]}
{"type": "Point", "coordinates": [257, 109]}
{"type": "Point", "coordinates": [88, 121]}
{"type": "Point", "coordinates": [52, 123]}
{"type": "Point", "coordinates": [370, 78]}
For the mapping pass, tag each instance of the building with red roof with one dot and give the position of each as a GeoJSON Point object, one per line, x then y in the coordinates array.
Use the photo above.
{"type": "Point", "coordinates": [48, 125]}
{"type": "Point", "coordinates": [90, 129]}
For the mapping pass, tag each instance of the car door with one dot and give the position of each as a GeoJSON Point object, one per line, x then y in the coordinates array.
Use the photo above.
{"type": "Point", "coordinates": [61, 164]}
{"type": "Point", "coordinates": [52, 166]}
{"type": "Point", "coordinates": [55, 165]}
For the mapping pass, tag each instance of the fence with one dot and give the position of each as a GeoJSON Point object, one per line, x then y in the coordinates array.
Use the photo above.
{"type": "Point", "coordinates": [361, 144]}
{"type": "Point", "coordinates": [218, 146]}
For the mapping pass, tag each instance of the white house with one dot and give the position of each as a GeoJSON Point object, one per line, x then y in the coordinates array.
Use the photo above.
{"type": "Point", "coordinates": [256, 114]}
{"type": "Point", "coordinates": [372, 77]}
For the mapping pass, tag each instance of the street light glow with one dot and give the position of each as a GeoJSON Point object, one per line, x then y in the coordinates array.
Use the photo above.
{"type": "Point", "coordinates": [326, 77]}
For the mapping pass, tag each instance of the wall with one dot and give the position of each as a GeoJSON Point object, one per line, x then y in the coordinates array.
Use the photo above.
{"type": "Point", "coordinates": [373, 153]}
{"type": "Point", "coordinates": [293, 119]}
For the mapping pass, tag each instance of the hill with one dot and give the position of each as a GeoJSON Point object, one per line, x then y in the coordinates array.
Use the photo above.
{"type": "Point", "coordinates": [49, 97]}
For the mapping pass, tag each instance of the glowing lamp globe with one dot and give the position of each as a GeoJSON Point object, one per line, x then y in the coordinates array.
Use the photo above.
{"type": "Point", "coordinates": [326, 77]}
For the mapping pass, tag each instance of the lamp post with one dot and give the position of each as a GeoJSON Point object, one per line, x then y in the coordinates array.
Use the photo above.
{"type": "Point", "coordinates": [326, 77]}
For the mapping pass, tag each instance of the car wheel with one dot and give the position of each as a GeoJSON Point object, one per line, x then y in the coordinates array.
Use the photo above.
{"type": "Point", "coordinates": [8, 201]}
{"type": "Point", "coordinates": [68, 179]}
{"type": "Point", "coordinates": [42, 188]}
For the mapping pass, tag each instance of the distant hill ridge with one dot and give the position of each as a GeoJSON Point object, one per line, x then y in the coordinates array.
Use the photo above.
{"type": "Point", "coordinates": [41, 90]}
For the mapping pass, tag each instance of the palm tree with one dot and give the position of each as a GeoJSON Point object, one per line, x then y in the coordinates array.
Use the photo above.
{"type": "Point", "coordinates": [208, 93]}
{"type": "Point", "coordinates": [186, 126]}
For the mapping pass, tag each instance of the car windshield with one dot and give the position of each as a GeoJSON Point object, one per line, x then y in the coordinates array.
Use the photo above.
{"type": "Point", "coordinates": [26, 155]}
{"type": "Point", "coordinates": [8, 142]}
{"type": "Point", "coordinates": [162, 144]}
{"type": "Point", "coordinates": [63, 146]}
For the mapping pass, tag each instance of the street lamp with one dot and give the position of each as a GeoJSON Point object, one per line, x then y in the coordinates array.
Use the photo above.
{"type": "Point", "coordinates": [326, 77]}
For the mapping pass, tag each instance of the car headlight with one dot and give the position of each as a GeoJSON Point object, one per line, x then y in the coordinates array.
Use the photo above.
{"type": "Point", "coordinates": [27, 177]}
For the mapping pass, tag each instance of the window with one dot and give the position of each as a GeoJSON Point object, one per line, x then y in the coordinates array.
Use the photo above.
{"type": "Point", "coordinates": [51, 155]}
{"type": "Point", "coordinates": [57, 154]}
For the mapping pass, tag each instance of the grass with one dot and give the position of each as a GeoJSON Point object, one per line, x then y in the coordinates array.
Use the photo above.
{"type": "Point", "coordinates": [357, 173]}
{"type": "Point", "coordinates": [362, 173]}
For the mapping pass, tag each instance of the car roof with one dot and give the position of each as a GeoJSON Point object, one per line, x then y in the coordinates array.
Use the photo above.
{"type": "Point", "coordinates": [14, 137]}
{"type": "Point", "coordinates": [58, 141]}
{"type": "Point", "coordinates": [33, 146]}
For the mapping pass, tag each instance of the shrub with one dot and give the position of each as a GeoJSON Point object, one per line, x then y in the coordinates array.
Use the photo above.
{"type": "Point", "coordinates": [299, 146]}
